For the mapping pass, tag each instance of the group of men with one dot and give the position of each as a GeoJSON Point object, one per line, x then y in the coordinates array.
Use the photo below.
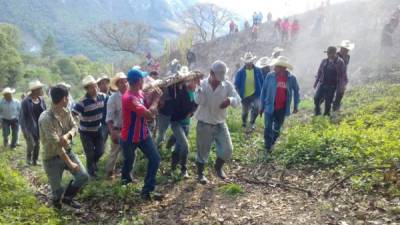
{"type": "Point", "coordinates": [122, 109]}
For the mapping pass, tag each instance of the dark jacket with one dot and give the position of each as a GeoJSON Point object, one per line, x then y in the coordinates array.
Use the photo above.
{"type": "Point", "coordinates": [28, 123]}
{"type": "Point", "coordinates": [341, 70]}
{"type": "Point", "coordinates": [240, 81]}
{"type": "Point", "coordinates": [183, 105]}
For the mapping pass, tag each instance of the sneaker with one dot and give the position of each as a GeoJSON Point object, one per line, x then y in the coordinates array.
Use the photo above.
{"type": "Point", "coordinates": [72, 203]}
{"type": "Point", "coordinates": [185, 175]}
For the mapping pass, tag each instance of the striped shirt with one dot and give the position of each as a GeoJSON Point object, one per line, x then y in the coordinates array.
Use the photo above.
{"type": "Point", "coordinates": [134, 125]}
{"type": "Point", "coordinates": [90, 111]}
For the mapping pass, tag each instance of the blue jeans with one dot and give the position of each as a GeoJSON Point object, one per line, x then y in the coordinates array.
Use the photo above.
{"type": "Point", "coordinates": [163, 123]}
{"type": "Point", "coordinates": [181, 151]}
{"type": "Point", "coordinates": [273, 124]}
{"type": "Point", "coordinates": [54, 169]}
{"type": "Point", "coordinates": [251, 103]}
{"type": "Point", "coordinates": [93, 145]}
{"type": "Point", "coordinates": [10, 126]}
{"type": "Point", "coordinates": [150, 151]}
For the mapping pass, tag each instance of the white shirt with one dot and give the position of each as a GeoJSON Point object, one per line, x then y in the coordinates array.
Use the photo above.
{"type": "Point", "coordinates": [114, 109]}
{"type": "Point", "coordinates": [209, 101]}
{"type": "Point", "coordinates": [10, 110]}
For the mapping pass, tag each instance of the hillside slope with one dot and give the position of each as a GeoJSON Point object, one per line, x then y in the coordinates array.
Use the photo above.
{"type": "Point", "coordinates": [68, 20]}
{"type": "Point", "coordinates": [360, 21]}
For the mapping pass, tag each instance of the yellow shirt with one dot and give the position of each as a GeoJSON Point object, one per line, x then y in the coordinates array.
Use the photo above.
{"type": "Point", "coordinates": [249, 85]}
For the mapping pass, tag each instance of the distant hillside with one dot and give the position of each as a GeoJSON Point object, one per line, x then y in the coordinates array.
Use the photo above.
{"type": "Point", "coordinates": [360, 21]}
{"type": "Point", "coordinates": [68, 20]}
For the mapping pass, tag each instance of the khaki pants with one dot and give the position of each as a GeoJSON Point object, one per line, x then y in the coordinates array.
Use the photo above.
{"type": "Point", "coordinates": [113, 157]}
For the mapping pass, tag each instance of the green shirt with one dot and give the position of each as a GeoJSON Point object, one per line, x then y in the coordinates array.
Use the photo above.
{"type": "Point", "coordinates": [249, 85]}
{"type": "Point", "coordinates": [52, 126]}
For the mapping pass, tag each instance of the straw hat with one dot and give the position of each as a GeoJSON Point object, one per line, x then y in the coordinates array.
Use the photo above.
{"type": "Point", "coordinates": [220, 70]}
{"type": "Point", "coordinates": [248, 57]}
{"type": "Point", "coordinates": [183, 71]}
{"type": "Point", "coordinates": [68, 86]}
{"type": "Point", "coordinates": [277, 49]}
{"type": "Point", "coordinates": [8, 90]}
{"type": "Point", "coordinates": [33, 85]}
{"type": "Point", "coordinates": [116, 78]}
{"type": "Point", "coordinates": [281, 61]}
{"type": "Point", "coordinates": [88, 80]}
{"type": "Point", "coordinates": [174, 61]}
{"type": "Point", "coordinates": [347, 45]}
{"type": "Point", "coordinates": [263, 62]}
{"type": "Point", "coordinates": [103, 77]}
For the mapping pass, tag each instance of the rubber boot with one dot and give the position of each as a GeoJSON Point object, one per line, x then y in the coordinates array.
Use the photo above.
{"type": "Point", "coordinates": [218, 168]}
{"type": "Point", "coordinates": [200, 174]}
{"type": "Point", "coordinates": [69, 194]}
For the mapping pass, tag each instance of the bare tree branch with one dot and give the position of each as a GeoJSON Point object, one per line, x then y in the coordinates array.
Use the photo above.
{"type": "Point", "coordinates": [209, 19]}
{"type": "Point", "coordinates": [121, 37]}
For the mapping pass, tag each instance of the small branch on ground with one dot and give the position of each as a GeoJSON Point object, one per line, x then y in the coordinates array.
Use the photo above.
{"type": "Point", "coordinates": [348, 176]}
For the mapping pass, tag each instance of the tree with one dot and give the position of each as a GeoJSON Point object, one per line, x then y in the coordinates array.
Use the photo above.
{"type": "Point", "coordinates": [49, 50]}
{"type": "Point", "coordinates": [10, 58]}
{"type": "Point", "coordinates": [207, 18]}
{"type": "Point", "coordinates": [128, 37]}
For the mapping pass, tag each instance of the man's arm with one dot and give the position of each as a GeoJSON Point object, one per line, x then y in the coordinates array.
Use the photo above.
{"type": "Point", "coordinates": [296, 94]}
{"type": "Point", "coordinates": [233, 97]}
{"type": "Point", "coordinates": [319, 74]}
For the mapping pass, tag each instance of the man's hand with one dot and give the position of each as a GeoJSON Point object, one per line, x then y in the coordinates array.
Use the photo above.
{"type": "Point", "coordinates": [74, 167]}
{"type": "Point", "coordinates": [64, 140]}
{"type": "Point", "coordinates": [115, 136]}
{"type": "Point", "coordinates": [261, 112]}
{"type": "Point", "coordinates": [225, 103]}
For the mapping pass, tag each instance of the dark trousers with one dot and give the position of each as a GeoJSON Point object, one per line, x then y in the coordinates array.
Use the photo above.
{"type": "Point", "coordinates": [32, 146]}
{"type": "Point", "coordinates": [93, 145]}
{"type": "Point", "coordinates": [273, 124]}
{"type": "Point", "coordinates": [337, 101]}
{"type": "Point", "coordinates": [10, 126]}
{"type": "Point", "coordinates": [324, 93]}
{"type": "Point", "coordinates": [151, 153]}
{"type": "Point", "coordinates": [251, 103]}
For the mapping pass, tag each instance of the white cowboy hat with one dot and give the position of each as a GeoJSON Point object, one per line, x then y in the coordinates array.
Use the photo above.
{"type": "Point", "coordinates": [220, 70]}
{"type": "Point", "coordinates": [88, 80]}
{"type": "Point", "coordinates": [8, 90]}
{"type": "Point", "coordinates": [68, 86]}
{"type": "Point", "coordinates": [248, 57]}
{"type": "Point", "coordinates": [183, 71]}
{"type": "Point", "coordinates": [347, 45]}
{"type": "Point", "coordinates": [174, 61]}
{"type": "Point", "coordinates": [103, 77]}
{"type": "Point", "coordinates": [116, 78]}
{"type": "Point", "coordinates": [263, 62]}
{"type": "Point", "coordinates": [281, 61]}
{"type": "Point", "coordinates": [277, 49]}
{"type": "Point", "coordinates": [33, 85]}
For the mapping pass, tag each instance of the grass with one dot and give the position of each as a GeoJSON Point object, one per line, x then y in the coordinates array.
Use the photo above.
{"type": "Point", "coordinates": [232, 189]}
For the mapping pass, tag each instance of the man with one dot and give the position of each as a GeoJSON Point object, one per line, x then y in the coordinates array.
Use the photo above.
{"type": "Point", "coordinates": [279, 88]}
{"type": "Point", "coordinates": [31, 108]}
{"type": "Point", "coordinates": [134, 132]}
{"type": "Point", "coordinates": [191, 58]}
{"type": "Point", "coordinates": [9, 114]}
{"type": "Point", "coordinates": [71, 101]}
{"type": "Point", "coordinates": [175, 66]}
{"type": "Point", "coordinates": [104, 86]}
{"type": "Point", "coordinates": [263, 63]}
{"type": "Point", "coordinates": [90, 110]}
{"type": "Point", "coordinates": [183, 109]}
{"type": "Point", "coordinates": [331, 79]}
{"type": "Point", "coordinates": [114, 119]}
{"type": "Point", "coordinates": [345, 47]}
{"type": "Point", "coordinates": [248, 83]}
{"type": "Point", "coordinates": [57, 128]}
{"type": "Point", "coordinates": [213, 97]}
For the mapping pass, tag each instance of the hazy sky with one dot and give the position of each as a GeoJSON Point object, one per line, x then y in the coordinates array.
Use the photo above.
{"type": "Point", "coordinates": [279, 8]}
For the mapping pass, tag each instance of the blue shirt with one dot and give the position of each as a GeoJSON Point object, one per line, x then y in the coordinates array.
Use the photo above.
{"type": "Point", "coordinates": [10, 110]}
{"type": "Point", "coordinates": [268, 93]}
{"type": "Point", "coordinates": [90, 111]}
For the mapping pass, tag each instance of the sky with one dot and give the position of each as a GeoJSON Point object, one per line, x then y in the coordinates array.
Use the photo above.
{"type": "Point", "coordinates": [279, 8]}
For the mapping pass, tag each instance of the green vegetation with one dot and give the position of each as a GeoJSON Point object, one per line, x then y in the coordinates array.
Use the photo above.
{"type": "Point", "coordinates": [18, 204]}
{"type": "Point", "coordinates": [366, 135]}
{"type": "Point", "coordinates": [232, 189]}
